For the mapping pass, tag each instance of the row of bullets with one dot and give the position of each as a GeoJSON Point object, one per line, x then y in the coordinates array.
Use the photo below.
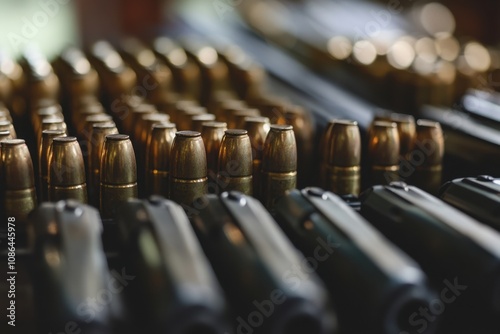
{"type": "Point", "coordinates": [159, 138]}
{"type": "Point", "coordinates": [399, 149]}
{"type": "Point", "coordinates": [171, 144]}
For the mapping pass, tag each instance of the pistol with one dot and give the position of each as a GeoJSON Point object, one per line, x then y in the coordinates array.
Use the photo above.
{"type": "Point", "coordinates": [479, 197]}
{"type": "Point", "coordinates": [73, 286]}
{"type": "Point", "coordinates": [347, 250]}
{"type": "Point", "coordinates": [176, 290]}
{"type": "Point", "coordinates": [266, 281]}
{"type": "Point", "coordinates": [450, 246]}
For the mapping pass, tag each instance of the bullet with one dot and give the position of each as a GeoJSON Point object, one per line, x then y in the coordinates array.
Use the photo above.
{"type": "Point", "coordinates": [158, 159]}
{"type": "Point", "coordinates": [131, 119]}
{"type": "Point", "coordinates": [344, 158]}
{"type": "Point", "coordinates": [95, 147]}
{"type": "Point", "coordinates": [152, 74]}
{"type": "Point", "coordinates": [198, 120]}
{"type": "Point", "coordinates": [214, 73]}
{"type": "Point", "coordinates": [212, 134]}
{"type": "Point", "coordinates": [188, 168]}
{"type": "Point", "coordinates": [272, 108]}
{"type": "Point", "coordinates": [143, 129]}
{"type": "Point", "coordinates": [77, 76]}
{"type": "Point", "coordinates": [8, 126]}
{"type": "Point", "coordinates": [237, 118]}
{"type": "Point", "coordinates": [44, 155]}
{"type": "Point", "coordinates": [51, 124]}
{"type": "Point", "coordinates": [304, 130]}
{"type": "Point", "coordinates": [427, 155]}
{"type": "Point", "coordinates": [67, 171]}
{"type": "Point", "coordinates": [323, 151]}
{"type": "Point", "coordinates": [118, 173]}
{"type": "Point", "coordinates": [79, 115]}
{"type": "Point", "coordinates": [406, 130]}
{"type": "Point", "coordinates": [116, 76]}
{"type": "Point", "coordinates": [235, 162]}
{"type": "Point", "coordinates": [180, 105]}
{"type": "Point", "coordinates": [228, 109]}
{"type": "Point", "coordinates": [184, 116]}
{"type": "Point", "coordinates": [91, 120]}
{"type": "Point", "coordinates": [5, 134]}
{"type": "Point", "coordinates": [257, 128]}
{"type": "Point", "coordinates": [18, 180]}
{"type": "Point", "coordinates": [5, 113]}
{"type": "Point", "coordinates": [41, 80]}
{"type": "Point", "coordinates": [41, 114]}
{"type": "Point", "coordinates": [383, 152]}
{"type": "Point", "coordinates": [279, 164]}
{"type": "Point", "coordinates": [186, 74]}
{"type": "Point", "coordinates": [220, 97]}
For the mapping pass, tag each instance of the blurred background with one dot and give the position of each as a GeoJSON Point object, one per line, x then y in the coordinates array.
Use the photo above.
{"type": "Point", "coordinates": [53, 24]}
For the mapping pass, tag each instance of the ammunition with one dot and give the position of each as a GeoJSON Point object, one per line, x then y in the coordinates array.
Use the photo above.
{"type": "Point", "coordinates": [95, 146]}
{"type": "Point", "coordinates": [166, 102]}
{"type": "Point", "coordinates": [186, 73]}
{"type": "Point", "coordinates": [184, 116]}
{"type": "Point", "coordinates": [272, 108]}
{"type": "Point", "coordinates": [41, 114]}
{"type": "Point", "coordinates": [279, 164]}
{"type": "Point", "coordinates": [214, 73]}
{"type": "Point", "coordinates": [116, 77]}
{"type": "Point", "coordinates": [92, 120]}
{"type": "Point", "coordinates": [237, 118]}
{"type": "Point", "coordinates": [198, 120]}
{"type": "Point", "coordinates": [81, 113]}
{"type": "Point", "coordinates": [8, 126]}
{"type": "Point", "coordinates": [323, 151]}
{"type": "Point", "coordinates": [79, 78]}
{"type": "Point", "coordinates": [18, 180]}
{"type": "Point", "coordinates": [181, 105]}
{"type": "Point", "coordinates": [406, 130]}
{"type": "Point", "coordinates": [143, 129]}
{"type": "Point", "coordinates": [118, 173]}
{"type": "Point", "coordinates": [5, 113]}
{"type": "Point", "coordinates": [429, 145]}
{"type": "Point", "coordinates": [52, 124]}
{"type": "Point", "coordinates": [212, 134]}
{"type": "Point", "coordinates": [44, 155]}
{"type": "Point", "coordinates": [383, 151]}
{"type": "Point", "coordinates": [258, 128]}
{"type": "Point", "coordinates": [222, 98]}
{"type": "Point", "coordinates": [344, 158]}
{"type": "Point", "coordinates": [67, 171]}
{"type": "Point", "coordinates": [235, 162]}
{"type": "Point", "coordinates": [42, 82]}
{"type": "Point", "coordinates": [131, 119]}
{"type": "Point", "coordinates": [5, 134]}
{"type": "Point", "coordinates": [304, 130]}
{"type": "Point", "coordinates": [153, 76]}
{"type": "Point", "coordinates": [188, 168]}
{"type": "Point", "coordinates": [158, 159]}
{"type": "Point", "coordinates": [228, 108]}
{"type": "Point", "coordinates": [247, 75]}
